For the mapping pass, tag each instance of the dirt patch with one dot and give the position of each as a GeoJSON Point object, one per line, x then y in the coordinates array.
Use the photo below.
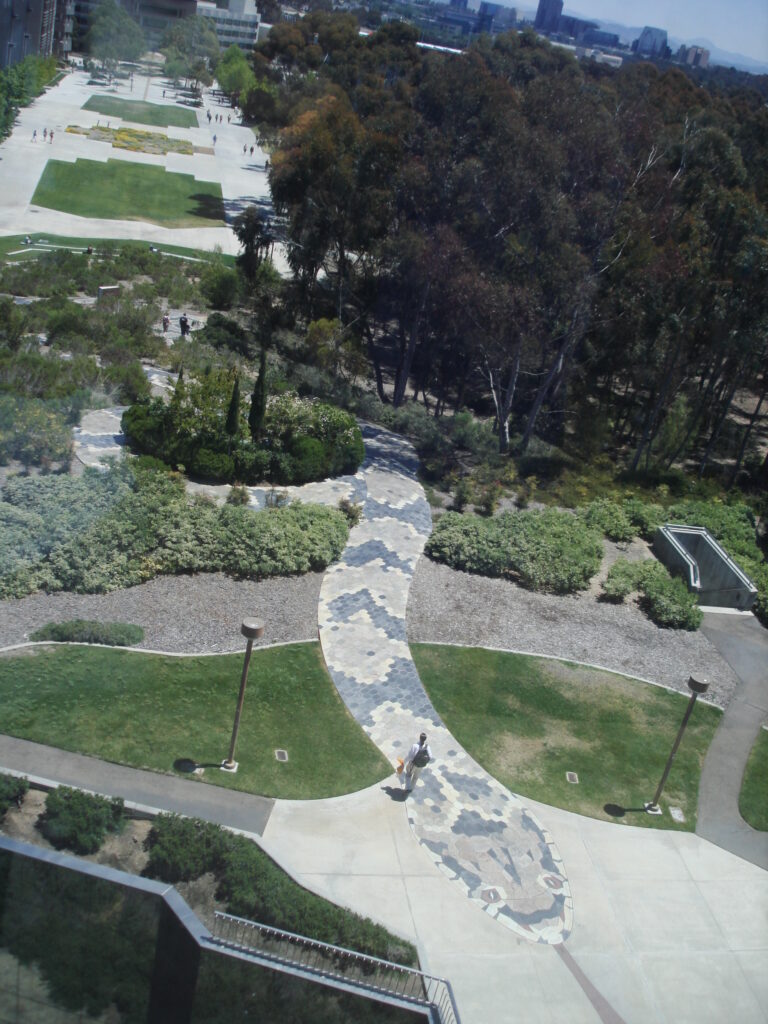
{"type": "Point", "coordinates": [517, 755]}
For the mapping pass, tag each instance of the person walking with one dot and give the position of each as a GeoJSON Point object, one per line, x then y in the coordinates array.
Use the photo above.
{"type": "Point", "coordinates": [34, 137]}
{"type": "Point", "coordinates": [166, 323]}
{"type": "Point", "coordinates": [245, 150]}
{"type": "Point", "coordinates": [50, 137]}
{"type": "Point", "coordinates": [251, 150]}
{"type": "Point", "coordinates": [418, 758]}
{"type": "Point", "coordinates": [45, 134]}
{"type": "Point", "coordinates": [214, 140]}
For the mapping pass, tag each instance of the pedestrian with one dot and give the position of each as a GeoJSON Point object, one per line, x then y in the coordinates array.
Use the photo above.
{"type": "Point", "coordinates": [208, 113]}
{"type": "Point", "coordinates": [214, 140]}
{"type": "Point", "coordinates": [163, 93]}
{"type": "Point", "coordinates": [50, 136]}
{"type": "Point", "coordinates": [166, 323]}
{"type": "Point", "coordinates": [184, 325]}
{"type": "Point", "coordinates": [45, 134]}
{"type": "Point", "coordinates": [228, 118]}
{"type": "Point", "coordinates": [245, 149]}
{"type": "Point", "coordinates": [266, 165]}
{"type": "Point", "coordinates": [251, 150]}
{"type": "Point", "coordinates": [418, 757]}
{"type": "Point", "coordinates": [34, 137]}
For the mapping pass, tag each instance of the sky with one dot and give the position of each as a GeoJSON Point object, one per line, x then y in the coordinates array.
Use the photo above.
{"type": "Point", "coordinates": [737, 25]}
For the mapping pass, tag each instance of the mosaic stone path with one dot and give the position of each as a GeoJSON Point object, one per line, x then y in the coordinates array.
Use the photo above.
{"type": "Point", "coordinates": [477, 832]}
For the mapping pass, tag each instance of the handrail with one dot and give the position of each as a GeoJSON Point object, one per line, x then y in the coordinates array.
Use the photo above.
{"type": "Point", "coordinates": [355, 969]}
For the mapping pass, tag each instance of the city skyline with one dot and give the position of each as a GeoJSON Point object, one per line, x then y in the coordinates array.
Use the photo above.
{"type": "Point", "coordinates": [740, 26]}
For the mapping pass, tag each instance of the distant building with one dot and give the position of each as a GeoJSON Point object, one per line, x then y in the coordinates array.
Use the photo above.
{"type": "Point", "coordinates": [596, 37]}
{"type": "Point", "coordinates": [548, 15]}
{"type": "Point", "coordinates": [652, 42]}
{"type": "Point", "coordinates": [696, 56]}
{"type": "Point", "coordinates": [157, 16]}
{"type": "Point", "coordinates": [574, 27]}
{"type": "Point", "coordinates": [493, 18]}
{"type": "Point", "coordinates": [236, 25]}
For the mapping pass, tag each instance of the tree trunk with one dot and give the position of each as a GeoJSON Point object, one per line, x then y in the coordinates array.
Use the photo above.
{"type": "Point", "coordinates": [747, 432]}
{"type": "Point", "coordinates": [407, 350]}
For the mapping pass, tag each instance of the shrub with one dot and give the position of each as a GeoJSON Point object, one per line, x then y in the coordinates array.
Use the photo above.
{"type": "Point", "coordinates": [309, 460]}
{"type": "Point", "coordinates": [84, 631]}
{"type": "Point", "coordinates": [610, 518]}
{"type": "Point", "coordinates": [80, 821]}
{"type": "Point", "coordinates": [668, 601]}
{"type": "Point", "coordinates": [550, 551]}
{"type": "Point", "coordinates": [622, 579]}
{"type": "Point", "coordinates": [220, 285]}
{"type": "Point", "coordinates": [12, 791]}
{"type": "Point", "coordinates": [238, 495]}
{"type": "Point", "coordinates": [182, 849]}
{"type": "Point", "coordinates": [645, 517]}
{"type": "Point", "coordinates": [216, 467]}
{"type": "Point", "coordinates": [352, 512]}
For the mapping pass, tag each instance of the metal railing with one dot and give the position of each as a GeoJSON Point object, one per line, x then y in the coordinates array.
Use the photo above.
{"type": "Point", "coordinates": [345, 965]}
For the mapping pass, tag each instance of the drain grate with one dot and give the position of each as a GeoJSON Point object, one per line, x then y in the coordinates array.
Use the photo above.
{"type": "Point", "coordinates": [281, 755]}
{"type": "Point", "coordinates": [572, 777]}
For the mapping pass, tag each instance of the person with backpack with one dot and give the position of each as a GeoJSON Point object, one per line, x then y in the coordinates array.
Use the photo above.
{"type": "Point", "coordinates": [418, 757]}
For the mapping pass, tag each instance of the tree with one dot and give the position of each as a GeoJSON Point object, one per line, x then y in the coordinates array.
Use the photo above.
{"type": "Point", "coordinates": [258, 409]}
{"type": "Point", "coordinates": [114, 35]}
{"type": "Point", "coordinates": [232, 425]}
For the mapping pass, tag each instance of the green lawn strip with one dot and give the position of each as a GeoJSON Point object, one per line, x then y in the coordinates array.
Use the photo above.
{"type": "Point", "coordinates": [14, 243]}
{"type": "Point", "coordinates": [121, 190]}
{"type": "Point", "coordinates": [753, 799]}
{"type": "Point", "coordinates": [528, 721]}
{"type": "Point", "coordinates": [147, 711]}
{"type": "Point", "coordinates": [162, 115]}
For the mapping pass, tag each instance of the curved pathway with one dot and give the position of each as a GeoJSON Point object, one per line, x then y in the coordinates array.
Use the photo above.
{"type": "Point", "coordinates": [477, 832]}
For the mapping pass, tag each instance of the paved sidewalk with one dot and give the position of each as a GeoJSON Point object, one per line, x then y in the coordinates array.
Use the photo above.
{"type": "Point", "coordinates": [476, 832]}
{"type": "Point", "coordinates": [150, 790]}
{"type": "Point", "coordinates": [743, 642]}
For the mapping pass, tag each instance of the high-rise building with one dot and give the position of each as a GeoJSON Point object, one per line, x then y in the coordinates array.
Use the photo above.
{"type": "Point", "coordinates": [26, 29]}
{"type": "Point", "coordinates": [652, 42]}
{"type": "Point", "coordinates": [696, 56]}
{"type": "Point", "coordinates": [548, 15]}
{"type": "Point", "coordinates": [237, 24]}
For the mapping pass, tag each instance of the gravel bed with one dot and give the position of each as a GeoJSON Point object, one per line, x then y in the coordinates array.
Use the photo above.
{"type": "Point", "coordinates": [190, 614]}
{"type": "Point", "coordinates": [447, 606]}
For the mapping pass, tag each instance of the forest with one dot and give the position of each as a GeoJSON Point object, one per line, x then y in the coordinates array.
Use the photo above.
{"type": "Point", "coordinates": [578, 253]}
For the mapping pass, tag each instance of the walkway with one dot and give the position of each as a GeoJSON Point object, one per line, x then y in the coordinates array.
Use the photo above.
{"type": "Point", "coordinates": [743, 642]}
{"type": "Point", "coordinates": [477, 832]}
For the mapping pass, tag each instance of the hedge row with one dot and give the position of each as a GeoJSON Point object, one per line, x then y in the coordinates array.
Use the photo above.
{"type": "Point", "coordinates": [87, 631]}
{"type": "Point", "coordinates": [550, 551]}
{"type": "Point", "coordinates": [155, 529]}
{"type": "Point", "coordinates": [253, 886]}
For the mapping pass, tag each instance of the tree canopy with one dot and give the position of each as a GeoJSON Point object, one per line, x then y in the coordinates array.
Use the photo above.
{"type": "Point", "coordinates": [114, 35]}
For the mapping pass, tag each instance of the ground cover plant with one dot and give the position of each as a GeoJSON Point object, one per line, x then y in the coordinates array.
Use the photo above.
{"type": "Point", "coordinates": [119, 190]}
{"type": "Point", "coordinates": [143, 524]}
{"type": "Point", "coordinates": [753, 798]}
{"type": "Point", "coordinates": [550, 551]}
{"type": "Point", "coordinates": [79, 821]}
{"type": "Point", "coordinates": [163, 115]}
{"type": "Point", "coordinates": [135, 140]}
{"type": "Point", "coordinates": [528, 721]}
{"type": "Point", "coordinates": [86, 631]}
{"type": "Point", "coordinates": [149, 711]}
{"type": "Point", "coordinates": [212, 430]}
{"type": "Point", "coordinates": [43, 244]}
{"type": "Point", "coordinates": [253, 886]}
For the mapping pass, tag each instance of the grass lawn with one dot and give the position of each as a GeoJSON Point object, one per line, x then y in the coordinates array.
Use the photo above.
{"type": "Point", "coordinates": [528, 721]}
{"type": "Point", "coordinates": [148, 711]}
{"type": "Point", "coordinates": [160, 114]}
{"type": "Point", "coordinates": [119, 190]}
{"type": "Point", "coordinates": [753, 799]}
{"type": "Point", "coordinates": [14, 243]}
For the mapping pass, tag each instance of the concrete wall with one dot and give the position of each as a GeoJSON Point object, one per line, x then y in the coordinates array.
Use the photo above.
{"type": "Point", "coordinates": [720, 583]}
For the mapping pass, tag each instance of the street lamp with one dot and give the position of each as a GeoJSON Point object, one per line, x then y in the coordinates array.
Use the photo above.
{"type": "Point", "coordinates": [696, 686]}
{"type": "Point", "coordinates": [252, 629]}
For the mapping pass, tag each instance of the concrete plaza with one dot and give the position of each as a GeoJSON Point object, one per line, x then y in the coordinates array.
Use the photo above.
{"type": "Point", "coordinates": [243, 177]}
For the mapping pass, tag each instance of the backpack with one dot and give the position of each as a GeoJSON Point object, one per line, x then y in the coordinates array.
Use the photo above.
{"type": "Point", "coordinates": [421, 758]}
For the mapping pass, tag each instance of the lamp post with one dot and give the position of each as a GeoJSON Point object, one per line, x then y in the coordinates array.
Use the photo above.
{"type": "Point", "coordinates": [252, 629]}
{"type": "Point", "coordinates": [696, 686]}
